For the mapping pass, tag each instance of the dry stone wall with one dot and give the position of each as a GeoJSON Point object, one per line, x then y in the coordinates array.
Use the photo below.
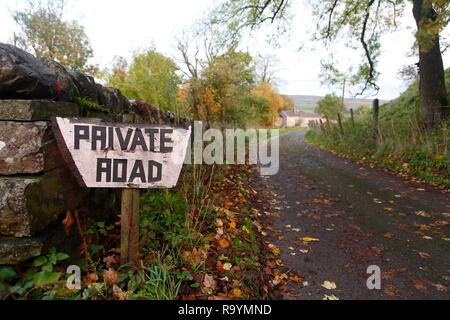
{"type": "Point", "coordinates": [36, 187]}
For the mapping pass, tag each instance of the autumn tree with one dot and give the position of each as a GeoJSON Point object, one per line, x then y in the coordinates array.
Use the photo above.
{"type": "Point", "coordinates": [151, 77]}
{"type": "Point", "coordinates": [330, 106]}
{"type": "Point", "coordinates": [362, 22]}
{"type": "Point", "coordinates": [230, 77]}
{"type": "Point", "coordinates": [198, 49]}
{"type": "Point", "coordinates": [276, 102]}
{"type": "Point", "coordinates": [46, 33]}
{"type": "Point", "coordinates": [222, 83]}
{"type": "Point", "coordinates": [289, 103]}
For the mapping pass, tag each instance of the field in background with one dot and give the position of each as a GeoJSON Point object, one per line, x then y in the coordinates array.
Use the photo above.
{"type": "Point", "coordinates": [309, 103]}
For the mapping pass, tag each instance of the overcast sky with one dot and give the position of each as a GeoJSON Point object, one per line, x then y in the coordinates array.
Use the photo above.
{"type": "Point", "coordinates": [117, 27]}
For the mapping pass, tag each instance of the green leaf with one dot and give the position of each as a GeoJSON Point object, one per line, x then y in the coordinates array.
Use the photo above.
{"type": "Point", "coordinates": [47, 267]}
{"type": "Point", "coordinates": [48, 296]}
{"type": "Point", "coordinates": [39, 261]}
{"type": "Point", "coordinates": [62, 256]}
{"type": "Point", "coordinates": [195, 285]}
{"type": "Point", "coordinates": [45, 277]}
{"type": "Point", "coordinates": [7, 274]}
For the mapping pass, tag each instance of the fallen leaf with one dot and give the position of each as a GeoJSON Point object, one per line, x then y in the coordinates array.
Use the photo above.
{"type": "Point", "coordinates": [422, 214]}
{"type": "Point", "coordinates": [224, 243]}
{"type": "Point", "coordinates": [111, 276]}
{"type": "Point", "coordinates": [232, 225]}
{"type": "Point", "coordinates": [119, 294]}
{"type": "Point", "coordinates": [219, 223]}
{"type": "Point", "coordinates": [217, 298]}
{"type": "Point", "coordinates": [91, 277]}
{"type": "Point", "coordinates": [307, 239]}
{"type": "Point", "coordinates": [331, 297]}
{"type": "Point", "coordinates": [330, 285]}
{"type": "Point", "coordinates": [424, 255]}
{"type": "Point", "coordinates": [209, 282]}
{"type": "Point", "coordinates": [227, 266]}
{"type": "Point", "coordinates": [236, 294]}
{"type": "Point", "coordinates": [439, 287]}
{"type": "Point", "coordinates": [111, 260]}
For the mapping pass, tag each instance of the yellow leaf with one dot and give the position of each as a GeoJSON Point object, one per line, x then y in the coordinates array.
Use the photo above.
{"type": "Point", "coordinates": [245, 229]}
{"type": "Point", "coordinates": [307, 239]}
{"type": "Point", "coordinates": [224, 243]}
{"type": "Point", "coordinates": [276, 251]}
{"type": "Point", "coordinates": [232, 225]}
{"type": "Point", "coordinates": [236, 294]}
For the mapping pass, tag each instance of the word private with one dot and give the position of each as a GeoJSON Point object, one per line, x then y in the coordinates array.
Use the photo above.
{"type": "Point", "coordinates": [107, 155]}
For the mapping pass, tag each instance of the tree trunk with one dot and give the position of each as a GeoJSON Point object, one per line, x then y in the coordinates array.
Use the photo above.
{"type": "Point", "coordinates": [433, 94]}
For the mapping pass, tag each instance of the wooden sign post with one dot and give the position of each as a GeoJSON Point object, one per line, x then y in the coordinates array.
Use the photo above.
{"type": "Point", "coordinates": [126, 156]}
{"type": "Point", "coordinates": [129, 223]}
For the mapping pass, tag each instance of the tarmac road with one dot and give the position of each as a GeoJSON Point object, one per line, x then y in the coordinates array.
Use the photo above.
{"type": "Point", "coordinates": [362, 217]}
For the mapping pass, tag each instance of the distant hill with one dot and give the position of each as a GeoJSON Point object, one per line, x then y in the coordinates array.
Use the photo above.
{"type": "Point", "coordinates": [309, 103]}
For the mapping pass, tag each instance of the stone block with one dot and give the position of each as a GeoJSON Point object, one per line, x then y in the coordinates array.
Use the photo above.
{"type": "Point", "coordinates": [21, 147]}
{"type": "Point", "coordinates": [14, 250]}
{"type": "Point", "coordinates": [18, 250]}
{"type": "Point", "coordinates": [36, 110]}
{"type": "Point", "coordinates": [28, 205]}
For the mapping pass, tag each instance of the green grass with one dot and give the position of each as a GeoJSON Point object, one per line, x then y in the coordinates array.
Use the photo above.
{"type": "Point", "coordinates": [402, 145]}
{"type": "Point", "coordinates": [287, 130]}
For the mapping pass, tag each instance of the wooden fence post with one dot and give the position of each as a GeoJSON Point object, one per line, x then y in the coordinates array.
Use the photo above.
{"type": "Point", "coordinates": [341, 128]}
{"type": "Point", "coordinates": [376, 112]}
{"type": "Point", "coordinates": [129, 232]}
{"type": "Point", "coordinates": [352, 117]}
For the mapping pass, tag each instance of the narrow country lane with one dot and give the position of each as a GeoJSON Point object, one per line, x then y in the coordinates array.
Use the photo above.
{"type": "Point", "coordinates": [361, 217]}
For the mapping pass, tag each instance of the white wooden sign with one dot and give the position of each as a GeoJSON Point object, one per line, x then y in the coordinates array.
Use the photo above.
{"type": "Point", "coordinates": [119, 155]}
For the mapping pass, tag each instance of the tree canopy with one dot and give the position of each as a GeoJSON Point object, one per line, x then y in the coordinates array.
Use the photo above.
{"type": "Point", "coordinates": [361, 23]}
{"type": "Point", "coordinates": [330, 106]}
{"type": "Point", "coordinates": [48, 35]}
{"type": "Point", "coordinates": [151, 77]}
